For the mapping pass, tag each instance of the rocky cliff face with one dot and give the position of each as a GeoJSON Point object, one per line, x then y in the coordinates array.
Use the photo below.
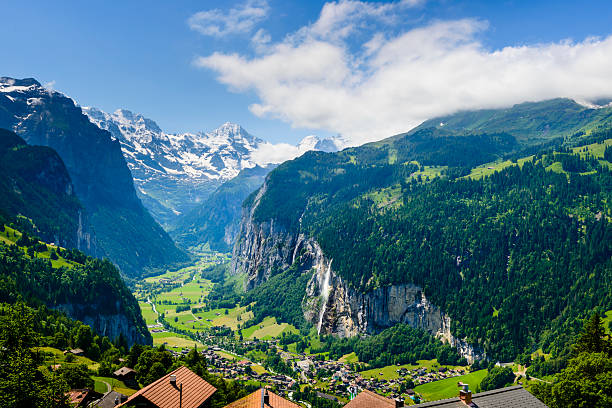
{"type": "Point", "coordinates": [266, 248]}
{"type": "Point", "coordinates": [338, 309]}
{"type": "Point", "coordinates": [110, 325]}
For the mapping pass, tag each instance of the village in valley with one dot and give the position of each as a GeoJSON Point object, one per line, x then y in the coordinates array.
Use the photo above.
{"type": "Point", "coordinates": [175, 307]}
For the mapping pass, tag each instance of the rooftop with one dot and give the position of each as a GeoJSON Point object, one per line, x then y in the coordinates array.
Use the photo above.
{"type": "Point", "coordinates": [254, 400]}
{"type": "Point", "coordinates": [165, 394]}
{"type": "Point", "coordinates": [369, 399]}
{"type": "Point", "coordinates": [516, 397]}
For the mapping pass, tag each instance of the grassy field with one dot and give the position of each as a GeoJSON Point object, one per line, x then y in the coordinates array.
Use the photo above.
{"type": "Point", "coordinates": [116, 385]}
{"type": "Point", "coordinates": [258, 369]}
{"type": "Point", "coordinates": [447, 388]}
{"type": "Point", "coordinates": [429, 172]}
{"type": "Point", "coordinates": [390, 372]}
{"type": "Point", "coordinates": [349, 358]}
{"type": "Point", "coordinates": [607, 319]}
{"type": "Point", "coordinates": [147, 312]}
{"type": "Point", "coordinates": [490, 168]}
{"type": "Point", "coordinates": [57, 357]}
{"type": "Point", "coordinates": [174, 340]}
{"type": "Point", "coordinates": [10, 236]}
{"type": "Point", "coordinates": [267, 329]}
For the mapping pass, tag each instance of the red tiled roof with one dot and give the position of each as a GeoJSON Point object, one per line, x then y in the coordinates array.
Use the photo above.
{"type": "Point", "coordinates": [165, 395]}
{"type": "Point", "coordinates": [254, 401]}
{"type": "Point", "coordinates": [369, 399]}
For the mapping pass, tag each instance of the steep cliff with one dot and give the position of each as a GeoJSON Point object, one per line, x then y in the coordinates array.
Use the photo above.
{"type": "Point", "coordinates": [329, 303]}
{"type": "Point", "coordinates": [111, 325]}
{"type": "Point", "coordinates": [34, 183]}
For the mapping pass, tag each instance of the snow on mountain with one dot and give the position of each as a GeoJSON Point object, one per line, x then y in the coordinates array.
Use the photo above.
{"type": "Point", "coordinates": [175, 172]}
{"type": "Point", "coordinates": [219, 154]}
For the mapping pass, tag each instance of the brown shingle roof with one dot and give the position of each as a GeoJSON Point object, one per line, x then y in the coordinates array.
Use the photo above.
{"type": "Point", "coordinates": [369, 399]}
{"type": "Point", "coordinates": [161, 393]}
{"type": "Point", "coordinates": [254, 401]}
{"type": "Point", "coordinates": [124, 371]}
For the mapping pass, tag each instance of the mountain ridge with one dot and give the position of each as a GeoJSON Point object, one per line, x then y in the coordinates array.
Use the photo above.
{"type": "Point", "coordinates": [101, 178]}
{"type": "Point", "coordinates": [175, 172]}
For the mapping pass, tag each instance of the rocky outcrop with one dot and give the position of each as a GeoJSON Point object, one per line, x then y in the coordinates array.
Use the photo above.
{"type": "Point", "coordinates": [340, 310]}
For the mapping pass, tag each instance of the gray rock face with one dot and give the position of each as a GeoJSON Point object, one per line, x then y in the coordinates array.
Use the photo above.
{"type": "Point", "coordinates": [329, 303]}
{"type": "Point", "coordinates": [110, 325]}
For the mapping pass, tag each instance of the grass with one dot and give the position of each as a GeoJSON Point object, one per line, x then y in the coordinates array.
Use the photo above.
{"type": "Point", "coordinates": [349, 358]}
{"type": "Point", "coordinates": [447, 388]}
{"type": "Point", "coordinates": [430, 172]}
{"type": "Point", "coordinates": [174, 340]}
{"type": "Point", "coordinates": [386, 197]}
{"type": "Point", "coordinates": [607, 320]}
{"type": "Point", "coordinates": [267, 329]}
{"type": "Point", "coordinates": [10, 236]}
{"type": "Point", "coordinates": [115, 384]}
{"type": "Point", "coordinates": [147, 313]}
{"type": "Point", "coordinates": [58, 357]}
{"type": "Point", "coordinates": [390, 372]}
{"type": "Point", "coordinates": [258, 369]}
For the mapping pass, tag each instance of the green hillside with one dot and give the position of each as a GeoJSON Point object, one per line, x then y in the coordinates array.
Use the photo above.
{"type": "Point", "coordinates": [85, 288]}
{"type": "Point", "coordinates": [529, 122]}
{"type": "Point", "coordinates": [513, 256]}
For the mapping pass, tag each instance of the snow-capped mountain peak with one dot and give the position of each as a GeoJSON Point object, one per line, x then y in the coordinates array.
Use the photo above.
{"type": "Point", "coordinates": [174, 171]}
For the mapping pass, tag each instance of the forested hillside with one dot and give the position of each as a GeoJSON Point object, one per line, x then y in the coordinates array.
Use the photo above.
{"type": "Point", "coordinates": [85, 288]}
{"type": "Point", "coordinates": [514, 251]}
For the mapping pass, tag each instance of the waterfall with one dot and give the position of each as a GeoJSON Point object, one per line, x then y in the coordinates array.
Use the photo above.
{"type": "Point", "coordinates": [324, 295]}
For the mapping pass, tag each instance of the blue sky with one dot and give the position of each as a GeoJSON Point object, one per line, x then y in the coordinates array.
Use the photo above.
{"type": "Point", "coordinates": [151, 57]}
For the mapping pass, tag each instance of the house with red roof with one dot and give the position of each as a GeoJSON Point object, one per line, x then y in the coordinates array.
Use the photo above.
{"type": "Point", "coordinates": [182, 388]}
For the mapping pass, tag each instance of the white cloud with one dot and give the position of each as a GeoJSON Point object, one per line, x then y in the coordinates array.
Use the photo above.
{"type": "Point", "coordinates": [274, 153]}
{"type": "Point", "coordinates": [347, 74]}
{"type": "Point", "coordinates": [241, 19]}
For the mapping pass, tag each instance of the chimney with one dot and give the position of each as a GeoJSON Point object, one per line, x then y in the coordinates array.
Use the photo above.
{"type": "Point", "coordinates": [399, 403]}
{"type": "Point", "coordinates": [465, 395]}
{"type": "Point", "coordinates": [173, 380]}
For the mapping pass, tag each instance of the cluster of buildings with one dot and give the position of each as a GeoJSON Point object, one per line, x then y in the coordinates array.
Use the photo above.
{"type": "Point", "coordinates": [182, 388]}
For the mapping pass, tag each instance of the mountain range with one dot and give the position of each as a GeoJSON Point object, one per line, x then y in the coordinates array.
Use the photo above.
{"type": "Point", "coordinates": [175, 172]}
{"type": "Point", "coordinates": [119, 225]}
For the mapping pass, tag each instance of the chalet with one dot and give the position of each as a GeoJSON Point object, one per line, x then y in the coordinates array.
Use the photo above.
{"type": "Point", "coordinates": [181, 388]}
{"type": "Point", "coordinates": [516, 397]}
{"type": "Point", "coordinates": [369, 399]}
{"type": "Point", "coordinates": [76, 352]}
{"type": "Point", "coordinates": [262, 398]}
{"type": "Point", "coordinates": [82, 397]}
{"type": "Point", "coordinates": [125, 374]}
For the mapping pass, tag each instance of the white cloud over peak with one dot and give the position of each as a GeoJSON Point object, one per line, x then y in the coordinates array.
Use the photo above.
{"type": "Point", "coordinates": [349, 73]}
{"type": "Point", "coordinates": [241, 19]}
